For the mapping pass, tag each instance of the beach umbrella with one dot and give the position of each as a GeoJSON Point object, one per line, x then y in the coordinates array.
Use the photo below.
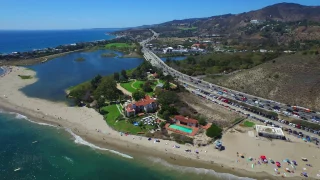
{"type": "Point", "coordinates": [278, 164]}
{"type": "Point", "coordinates": [265, 160]}
{"type": "Point", "coordinates": [304, 159]}
{"type": "Point", "coordinates": [263, 157]}
{"type": "Point", "coordinates": [271, 161]}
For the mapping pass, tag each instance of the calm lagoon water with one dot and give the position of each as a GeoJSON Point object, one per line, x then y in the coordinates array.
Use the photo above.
{"type": "Point", "coordinates": [56, 75]}
{"type": "Point", "coordinates": [27, 40]}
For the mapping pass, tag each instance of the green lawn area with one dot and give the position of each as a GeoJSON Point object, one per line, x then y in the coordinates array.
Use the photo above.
{"type": "Point", "coordinates": [127, 86]}
{"type": "Point", "coordinates": [248, 124]}
{"type": "Point", "coordinates": [121, 125]}
{"type": "Point", "coordinates": [137, 84]}
{"type": "Point", "coordinates": [119, 45]}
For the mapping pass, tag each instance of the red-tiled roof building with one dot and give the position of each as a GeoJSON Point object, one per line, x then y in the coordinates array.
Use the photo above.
{"type": "Point", "coordinates": [178, 119]}
{"type": "Point", "coordinates": [146, 104]}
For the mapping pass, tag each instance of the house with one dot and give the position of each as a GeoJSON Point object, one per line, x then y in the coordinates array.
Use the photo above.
{"type": "Point", "coordinates": [178, 119]}
{"type": "Point", "coordinates": [146, 104]}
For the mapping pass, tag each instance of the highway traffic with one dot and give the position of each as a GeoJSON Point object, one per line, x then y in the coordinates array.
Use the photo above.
{"type": "Point", "coordinates": [213, 90]}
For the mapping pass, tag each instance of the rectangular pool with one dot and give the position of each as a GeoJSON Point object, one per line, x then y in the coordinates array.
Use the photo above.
{"type": "Point", "coordinates": [181, 128]}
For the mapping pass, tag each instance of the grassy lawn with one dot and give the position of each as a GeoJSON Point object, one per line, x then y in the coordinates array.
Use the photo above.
{"type": "Point", "coordinates": [121, 125]}
{"type": "Point", "coordinates": [127, 86]}
{"type": "Point", "coordinates": [137, 84]}
{"type": "Point", "coordinates": [248, 124]}
{"type": "Point", "coordinates": [25, 77]}
{"type": "Point", "coordinates": [119, 45]}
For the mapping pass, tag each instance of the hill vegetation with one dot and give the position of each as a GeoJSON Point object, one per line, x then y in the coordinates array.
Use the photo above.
{"type": "Point", "coordinates": [293, 79]}
{"type": "Point", "coordinates": [218, 62]}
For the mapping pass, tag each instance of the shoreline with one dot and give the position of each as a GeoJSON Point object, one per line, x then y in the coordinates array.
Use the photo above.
{"type": "Point", "coordinates": [26, 62]}
{"type": "Point", "coordinates": [90, 125]}
{"type": "Point", "coordinates": [131, 150]}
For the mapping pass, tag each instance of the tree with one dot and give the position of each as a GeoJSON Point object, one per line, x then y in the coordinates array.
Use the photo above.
{"type": "Point", "coordinates": [100, 103]}
{"type": "Point", "coordinates": [202, 120]}
{"type": "Point", "coordinates": [167, 97]}
{"type": "Point", "coordinates": [124, 74]}
{"type": "Point", "coordinates": [137, 95]}
{"type": "Point", "coordinates": [78, 93]}
{"type": "Point", "coordinates": [95, 81]}
{"type": "Point", "coordinates": [166, 85]}
{"type": "Point", "coordinates": [107, 89]}
{"type": "Point", "coordinates": [147, 87]}
{"type": "Point", "coordinates": [162, 124]}
{"type": "Point", "coordinates": [214, 131]}
{"type": "Point", "coordinates": [116, 76]}
{"type": "Point", "coordinates": [140, 124]}
{"type": "Point", "coordinates": [166, 115]}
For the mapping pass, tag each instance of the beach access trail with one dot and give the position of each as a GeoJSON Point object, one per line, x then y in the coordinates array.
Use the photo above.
{"type": "Point", "coordinates": [91, 126]}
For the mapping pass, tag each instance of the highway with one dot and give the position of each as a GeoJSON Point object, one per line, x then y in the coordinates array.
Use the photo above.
{"type": "Point", "coordinates": [210, 89]}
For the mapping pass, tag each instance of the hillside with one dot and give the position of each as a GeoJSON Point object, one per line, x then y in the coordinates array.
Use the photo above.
{"type": "Point", "coordinates": [273, 25]}
{"type": "Point", "coordinates": [293, 79]}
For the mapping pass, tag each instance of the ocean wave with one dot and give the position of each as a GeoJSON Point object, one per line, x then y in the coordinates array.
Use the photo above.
{"type": "Point", "coordinates": [20, 116]}
{"type": "Point", "coordinates": [199, 171]}
{"type": "Point", "coordinates": [68, 159]}
{"type": "Point", "coordinates": [79, 140]}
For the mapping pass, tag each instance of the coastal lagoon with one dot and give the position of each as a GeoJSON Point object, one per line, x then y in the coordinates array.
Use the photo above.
{"type": "Point", "coordinates": [58, 74]}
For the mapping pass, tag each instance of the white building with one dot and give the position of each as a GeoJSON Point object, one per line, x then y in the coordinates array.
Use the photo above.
{"type": "Point", "coordinates": [270, 132]}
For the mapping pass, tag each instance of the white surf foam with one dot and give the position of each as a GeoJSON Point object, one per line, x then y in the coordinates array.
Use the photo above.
{"type": "Point", "coordinates": [68, 159]}
{"type": "Point", "coordinates": [199, 171]}
{"type": "Point", "coordinates": [20, 116]}
{"type": "Point", "coordinates": [79, 140]}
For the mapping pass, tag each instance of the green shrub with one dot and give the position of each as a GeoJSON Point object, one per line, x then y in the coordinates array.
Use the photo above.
{"type": "Point", "coordinates": [214, 131]}
{"type": "Point", "coordinates": [181, 139]}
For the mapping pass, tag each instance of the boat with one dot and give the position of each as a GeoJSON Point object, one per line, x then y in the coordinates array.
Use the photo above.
{"type": "Point", "coordinates": [34, 142]}
{"type": "Point", "coordinates": [17, 169]}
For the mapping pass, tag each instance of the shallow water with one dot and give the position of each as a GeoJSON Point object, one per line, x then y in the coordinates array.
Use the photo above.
{"type": "Point", "coordinates": [56, 75]}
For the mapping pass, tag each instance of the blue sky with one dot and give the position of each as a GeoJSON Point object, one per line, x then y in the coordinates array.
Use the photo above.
{"type": "Point", "coordinates": [78, 14]}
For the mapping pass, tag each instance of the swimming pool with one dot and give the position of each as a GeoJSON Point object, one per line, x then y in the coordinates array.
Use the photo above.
{"type": "Point", "coordinates": [181, 128]}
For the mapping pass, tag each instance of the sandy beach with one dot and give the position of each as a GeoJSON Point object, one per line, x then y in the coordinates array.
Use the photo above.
{"type": "Point", "coordinates": [91, 126]}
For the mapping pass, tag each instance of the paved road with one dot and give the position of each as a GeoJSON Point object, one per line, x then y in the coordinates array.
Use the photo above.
{"type": "Point", "coordinates": [268, 105]}
{"type": "Point", "coordinates": [250, 115]}
{"type": "Point", "coordinates": [207, 88]}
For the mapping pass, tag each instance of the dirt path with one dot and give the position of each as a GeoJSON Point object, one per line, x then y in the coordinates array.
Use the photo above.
{"type": "Point", "coordinates": [123, 90]}
{"type": "Point", "coordinates": [133, 83]}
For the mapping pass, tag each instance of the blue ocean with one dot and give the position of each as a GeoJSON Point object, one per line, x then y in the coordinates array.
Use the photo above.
{"type": "Point", "coordinates": [27, 40]}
